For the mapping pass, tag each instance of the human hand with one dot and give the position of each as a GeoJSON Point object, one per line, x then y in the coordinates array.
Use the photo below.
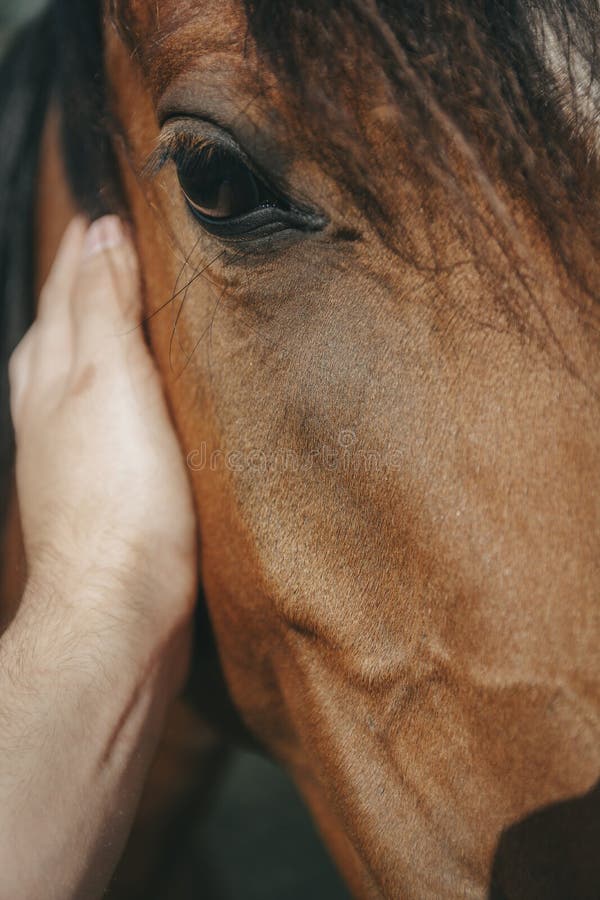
{"type": "Point", "coordinates": [103, 491]}
{"type": "Point", "coordinates": [100, 643]}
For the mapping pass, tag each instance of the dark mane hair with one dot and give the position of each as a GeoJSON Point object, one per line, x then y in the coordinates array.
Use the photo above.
{"type": "Point", "coordinates": [25, 80]}
{"type": "Point", "coordinates": [34, 74]}
{"type": "Point", "coordinates": [510, 88]}
{"type": "Point", "coordinates": [473, 74]}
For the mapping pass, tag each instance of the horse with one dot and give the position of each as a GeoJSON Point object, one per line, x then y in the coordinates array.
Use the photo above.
{"type": "Point", "coordinates": [368, 235]}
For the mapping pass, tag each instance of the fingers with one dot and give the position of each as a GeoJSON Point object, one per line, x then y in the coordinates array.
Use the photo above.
{"type": "Point", "coordinates": [106, 310]}
{"type": "Point", "coordinates": [56, 292]}
{"type": "Point", "coordinates": [48, 341]}
{"type": "Point", "coordinates": [19, 366]}
{"type": "Point", "coordinates": [105, 301]}
{"type": "Point", "coordinates": [91, 295]}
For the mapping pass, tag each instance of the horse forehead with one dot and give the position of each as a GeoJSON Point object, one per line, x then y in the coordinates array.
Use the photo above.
{"type": "Point", "coordinates": [170, 37]}
{"type": "Point", "coordinates": [202, 55]}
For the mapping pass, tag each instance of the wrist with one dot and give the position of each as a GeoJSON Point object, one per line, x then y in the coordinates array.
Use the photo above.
{"type": "Point", "coordinates": [105, 618]}
{"type": "Point", "coordinates": [82, 707]}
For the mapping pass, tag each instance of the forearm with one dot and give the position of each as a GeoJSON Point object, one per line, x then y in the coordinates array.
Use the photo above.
{"type": "Point", "coordinates": [99, 644]}
{"type": "Point", "coordinates": [83, 698]}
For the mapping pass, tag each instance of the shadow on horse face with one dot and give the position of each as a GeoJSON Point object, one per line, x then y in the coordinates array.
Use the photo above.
{"type": "Point", "coordinates": [388, 404]}
{"type": "Point", "coordinates": [551, 854]}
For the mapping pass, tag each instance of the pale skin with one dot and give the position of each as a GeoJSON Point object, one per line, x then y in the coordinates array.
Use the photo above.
{"type": "Point", "coordinates": [99, 646]}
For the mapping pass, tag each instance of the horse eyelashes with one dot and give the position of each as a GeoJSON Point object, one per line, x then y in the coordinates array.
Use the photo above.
{"type": "Point", "coordinates": [216, 182]}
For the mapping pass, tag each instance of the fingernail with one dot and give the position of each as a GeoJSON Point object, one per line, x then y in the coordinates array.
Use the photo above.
{"type": "Point", "coordinates": [103, 234]}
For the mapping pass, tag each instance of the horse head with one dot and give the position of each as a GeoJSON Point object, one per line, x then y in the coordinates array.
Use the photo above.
{"type": "Point", "coordinates": [369, 244]}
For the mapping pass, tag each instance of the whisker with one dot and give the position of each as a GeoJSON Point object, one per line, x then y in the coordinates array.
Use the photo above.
{"type": "Point", "coordinates": [178, 293]}
{"type": "Point", "coordinates": [184, 266]}
{"type": "Point", "coordinates": [207, 330]}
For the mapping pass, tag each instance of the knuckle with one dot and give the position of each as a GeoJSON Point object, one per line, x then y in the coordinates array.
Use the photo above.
{"type": "Point", "coordinates": [119, 259]}
{"type": "Point", "coordinates": [107, 288]}
{"type": "Point", "coordinates": [109, 269]}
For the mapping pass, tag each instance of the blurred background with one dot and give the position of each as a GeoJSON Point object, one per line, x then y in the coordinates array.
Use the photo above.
{"type": "Point", "coordinates": [13, 13]}
{"type": "Point", "coordinates": [247, 834]}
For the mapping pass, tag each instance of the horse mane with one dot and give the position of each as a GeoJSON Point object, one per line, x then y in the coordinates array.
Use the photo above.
{"type": "Point", "coordinates": [33, 75]}
{"type": "Point", "coordinates": [25, 79]}
{"type": "Point", "coordinates": [512, 87]}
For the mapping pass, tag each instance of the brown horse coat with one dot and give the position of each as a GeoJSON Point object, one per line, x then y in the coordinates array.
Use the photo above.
{"type": "Point", "coordinates": [389, 406]}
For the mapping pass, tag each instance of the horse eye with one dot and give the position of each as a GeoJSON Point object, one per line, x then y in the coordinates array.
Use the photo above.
{"type": "Point", "coordinates": [219, 185]}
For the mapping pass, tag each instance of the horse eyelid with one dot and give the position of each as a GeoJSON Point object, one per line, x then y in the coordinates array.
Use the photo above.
{"type": "Point", "coordinates": [155, 162]}
{"type": "Point", "coordinates": [175, 147]}
{"type": "Point", "coordinates": [171, 148]}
